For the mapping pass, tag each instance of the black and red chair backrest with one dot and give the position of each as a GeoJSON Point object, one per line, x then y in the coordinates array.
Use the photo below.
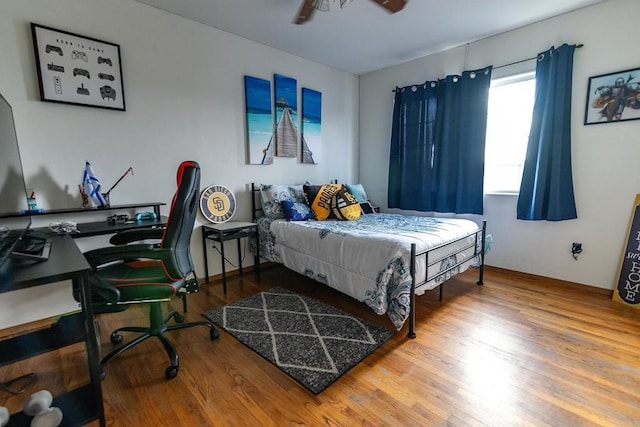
{"type": "Point", "coordinates": [182, 216]}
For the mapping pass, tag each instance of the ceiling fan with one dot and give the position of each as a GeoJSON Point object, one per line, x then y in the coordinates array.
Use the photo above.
{"type": "Point", "coordinates": [309, 6]}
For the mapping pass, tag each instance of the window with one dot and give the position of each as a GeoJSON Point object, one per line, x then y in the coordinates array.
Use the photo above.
{"type": "Point", "coordinates": [508, 124]}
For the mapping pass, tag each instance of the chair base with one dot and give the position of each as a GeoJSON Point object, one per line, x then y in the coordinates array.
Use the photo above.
{"type": "Point", "coordinates": [157, 328]}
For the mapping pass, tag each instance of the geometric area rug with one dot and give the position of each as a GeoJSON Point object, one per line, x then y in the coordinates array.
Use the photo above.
{"type": "Point", "coordinates": [312, 342]}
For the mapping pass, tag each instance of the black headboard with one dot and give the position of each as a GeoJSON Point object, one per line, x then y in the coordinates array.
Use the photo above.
{"type": "Point", "coordinates": [256, 205]}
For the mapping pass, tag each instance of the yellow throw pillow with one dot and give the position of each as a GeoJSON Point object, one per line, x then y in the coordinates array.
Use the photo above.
{"type": "Point", "coordinates": [332, 201]}
{"type": "Point", "coordinates": [345, 206]}
{"type": "Point", "coordinates": [319, 198]}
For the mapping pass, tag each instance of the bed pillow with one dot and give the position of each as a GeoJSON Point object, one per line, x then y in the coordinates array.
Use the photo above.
{"type": "Point", "coordinates": [319, 197]}
{"type": "Point", "coordinates": [272, 195]}
{"type": "Point", "coordinates": [344, 205]}
{"type": "Point", "coordinates": [296, 211]}
{"type": "Point", "coordinates": [358, 191]}
{"type": "Point", "coordinates": [332, 201]}
{"type": "Point", "coordinates": [367, 208]}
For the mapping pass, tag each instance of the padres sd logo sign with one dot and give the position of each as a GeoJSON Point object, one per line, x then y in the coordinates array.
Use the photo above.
{"type": "Point", "coordinates": [217, 203]}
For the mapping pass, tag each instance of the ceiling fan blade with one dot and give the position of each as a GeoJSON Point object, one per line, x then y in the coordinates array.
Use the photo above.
{"type": "Point", "coordinates": [392, 6]}
{"type": "Point", "coordinates": [305, 13]}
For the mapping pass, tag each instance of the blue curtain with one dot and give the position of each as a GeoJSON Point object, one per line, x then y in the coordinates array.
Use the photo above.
{"type": "Point", "coordinates": [546, 191]}
{"type": "Point", "coordinates": [436, 161]}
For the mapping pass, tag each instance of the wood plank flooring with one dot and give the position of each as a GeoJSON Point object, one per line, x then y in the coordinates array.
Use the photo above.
{"type": "Point", "coordinates": [518, 351]}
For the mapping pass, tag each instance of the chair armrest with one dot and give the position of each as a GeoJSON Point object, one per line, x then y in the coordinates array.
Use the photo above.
{"type": "Point", "coordinates": [106, 291]}
{"type": "Point", "coordinates": [127, 236]}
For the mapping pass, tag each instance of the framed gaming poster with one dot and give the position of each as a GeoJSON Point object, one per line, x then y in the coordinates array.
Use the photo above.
{"type": "Point", "coordinates": [627, 290]}
{"type": "Point", "coordinates": [74, 69]}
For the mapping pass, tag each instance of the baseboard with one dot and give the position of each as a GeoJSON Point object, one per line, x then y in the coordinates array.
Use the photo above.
{"type": "Point", "coordinates": [25, 328]}
{"type": "Point", "coordinates": [558, 282]}
{"type": "Point", "coordinates": [236, 272]}
{"type": "Point", "coordinates": [488, 268]}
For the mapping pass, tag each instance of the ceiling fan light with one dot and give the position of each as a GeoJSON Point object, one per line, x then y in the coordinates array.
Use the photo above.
{"type": "Point", "coordinates": [322, 5]}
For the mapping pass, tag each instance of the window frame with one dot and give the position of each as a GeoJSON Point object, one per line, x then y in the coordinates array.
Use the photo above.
{"type": "Point", "coordinates": [503, 81]}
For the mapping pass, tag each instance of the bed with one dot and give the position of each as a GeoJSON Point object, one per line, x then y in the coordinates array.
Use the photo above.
{"type": "Point", "coordinates": [383, 260]}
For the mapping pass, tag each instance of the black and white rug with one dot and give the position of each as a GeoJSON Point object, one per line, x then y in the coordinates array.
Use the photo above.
{"type": "Point", "coordinates": [313, 342]}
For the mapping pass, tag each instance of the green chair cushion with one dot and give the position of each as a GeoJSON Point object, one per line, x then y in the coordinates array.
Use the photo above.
{"type": "Point", "coordinates": [138, 280]}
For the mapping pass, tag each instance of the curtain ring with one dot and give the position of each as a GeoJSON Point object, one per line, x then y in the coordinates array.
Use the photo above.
{"type": "Point", "coordinates": [455, 79]}
{"type": "Point", "coordinates": [413, 88]}
{"type": "Point", "coordinates": [540, 57]}
{"type": "Point", "coordinates": [472, 75]}
{"type": "Point", "coordinates": [433, 84]}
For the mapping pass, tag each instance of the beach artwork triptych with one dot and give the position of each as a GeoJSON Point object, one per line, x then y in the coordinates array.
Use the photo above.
{"type": "Point", "coordinates": [272, 122]}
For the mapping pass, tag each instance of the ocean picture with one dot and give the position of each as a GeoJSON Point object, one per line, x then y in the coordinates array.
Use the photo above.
{"type": "Point", "coordinates": [259, 120]}
{"type": "Point", "coordinates": [311, 126]}
{"type": "Point", "coordinates": [286, 104]}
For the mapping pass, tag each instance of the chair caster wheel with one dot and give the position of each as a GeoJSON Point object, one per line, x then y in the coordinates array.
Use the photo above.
{"type": "Point", "coordinates": [116, 338]}
{"type": "Point", "coordinates": [178, 318]}
{"type": "Point", "coordinates": [214, 334]}
{"type": "Point", "coordinates": [171, 372]}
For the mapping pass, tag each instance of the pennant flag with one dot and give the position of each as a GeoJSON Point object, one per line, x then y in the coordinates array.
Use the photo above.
{"type": "Point", "coordinates": [92, 187]}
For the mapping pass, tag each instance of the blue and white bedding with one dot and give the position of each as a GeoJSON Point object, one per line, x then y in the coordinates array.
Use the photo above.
{"type": "Point", "coordinates": [369, 259]}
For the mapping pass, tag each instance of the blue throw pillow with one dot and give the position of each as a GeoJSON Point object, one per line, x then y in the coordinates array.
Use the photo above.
{"type": "Point", "coordinates": [358, 192]}
{"type": "Point", "coordinates": [296, 211]}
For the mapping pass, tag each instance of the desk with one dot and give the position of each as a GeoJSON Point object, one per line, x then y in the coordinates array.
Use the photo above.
{"type": "Point", "coordinates": [84, 404]}
{"type": "Point", "coordinates": [96, 228]}
{"type": "Point", "coordinates": [232, 230]}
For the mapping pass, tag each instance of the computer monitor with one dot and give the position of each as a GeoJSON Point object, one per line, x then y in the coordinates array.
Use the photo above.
{"type": "Point", "coordinates": [13, 192]}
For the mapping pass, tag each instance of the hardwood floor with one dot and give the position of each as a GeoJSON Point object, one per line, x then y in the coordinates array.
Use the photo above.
{"type": "Point", "coordinates": [518, 351]}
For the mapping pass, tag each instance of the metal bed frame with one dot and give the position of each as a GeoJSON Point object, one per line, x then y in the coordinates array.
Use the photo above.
{"type": "Point", "coordinates": [478, 251]}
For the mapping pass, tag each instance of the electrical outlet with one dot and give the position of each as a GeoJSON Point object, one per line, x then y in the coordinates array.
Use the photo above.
{"type": "Point", "coordinates": [576, 248]}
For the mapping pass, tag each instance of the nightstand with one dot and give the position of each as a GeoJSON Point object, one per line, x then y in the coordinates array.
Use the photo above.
{"type": "Point", "coordinates": [232, 230]}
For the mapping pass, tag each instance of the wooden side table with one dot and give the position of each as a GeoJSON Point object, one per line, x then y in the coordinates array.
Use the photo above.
{"type": "Point", "coordinates": [232, 230]}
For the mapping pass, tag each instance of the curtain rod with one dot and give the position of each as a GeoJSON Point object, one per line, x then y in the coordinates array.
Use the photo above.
{"type": "Point", "coordinates": [578, 46]}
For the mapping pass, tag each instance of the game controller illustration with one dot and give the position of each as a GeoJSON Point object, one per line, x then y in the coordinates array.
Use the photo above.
{"type": "Point", "coordinates": [52, 48]}
{"type": "Point", "coordinates": [102, 60]}
{"type": "Point", "coordinates": [54, 67]}
{"type": "Point", "coordinates": [82, 90]}
{"type": "Point", "coordinates": [76, 54]}
{"type": "Point", "coordinates": [57, 84]}
{"type": "Point", "coordinates": [108, 92]}
{"type": "Point", "coordinates": [81, 72]}
{"type": "Point", "coordinates": [104, 76]}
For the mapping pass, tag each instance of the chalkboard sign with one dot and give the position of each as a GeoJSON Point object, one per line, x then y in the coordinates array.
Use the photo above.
{"type": "Point", "coordinates": [628, 289]}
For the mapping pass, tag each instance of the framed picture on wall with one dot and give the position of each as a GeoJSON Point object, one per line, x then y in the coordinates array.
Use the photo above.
{"type": "Point", "coordinates": [613, 97]}
{"type": "Point", "coordinates": [74, 69]}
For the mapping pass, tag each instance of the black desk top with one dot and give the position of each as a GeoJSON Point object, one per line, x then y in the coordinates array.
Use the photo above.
{"type": "Point", "coordinates": [65, 262]}
{"type": "Point", "coordinates": [87, 229]}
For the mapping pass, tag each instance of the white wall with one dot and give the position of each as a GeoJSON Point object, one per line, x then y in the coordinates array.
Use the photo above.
{"type": "Point", "coordinates": [185, 101]}
{"type": "Point", "coordinates": [604, 157]}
